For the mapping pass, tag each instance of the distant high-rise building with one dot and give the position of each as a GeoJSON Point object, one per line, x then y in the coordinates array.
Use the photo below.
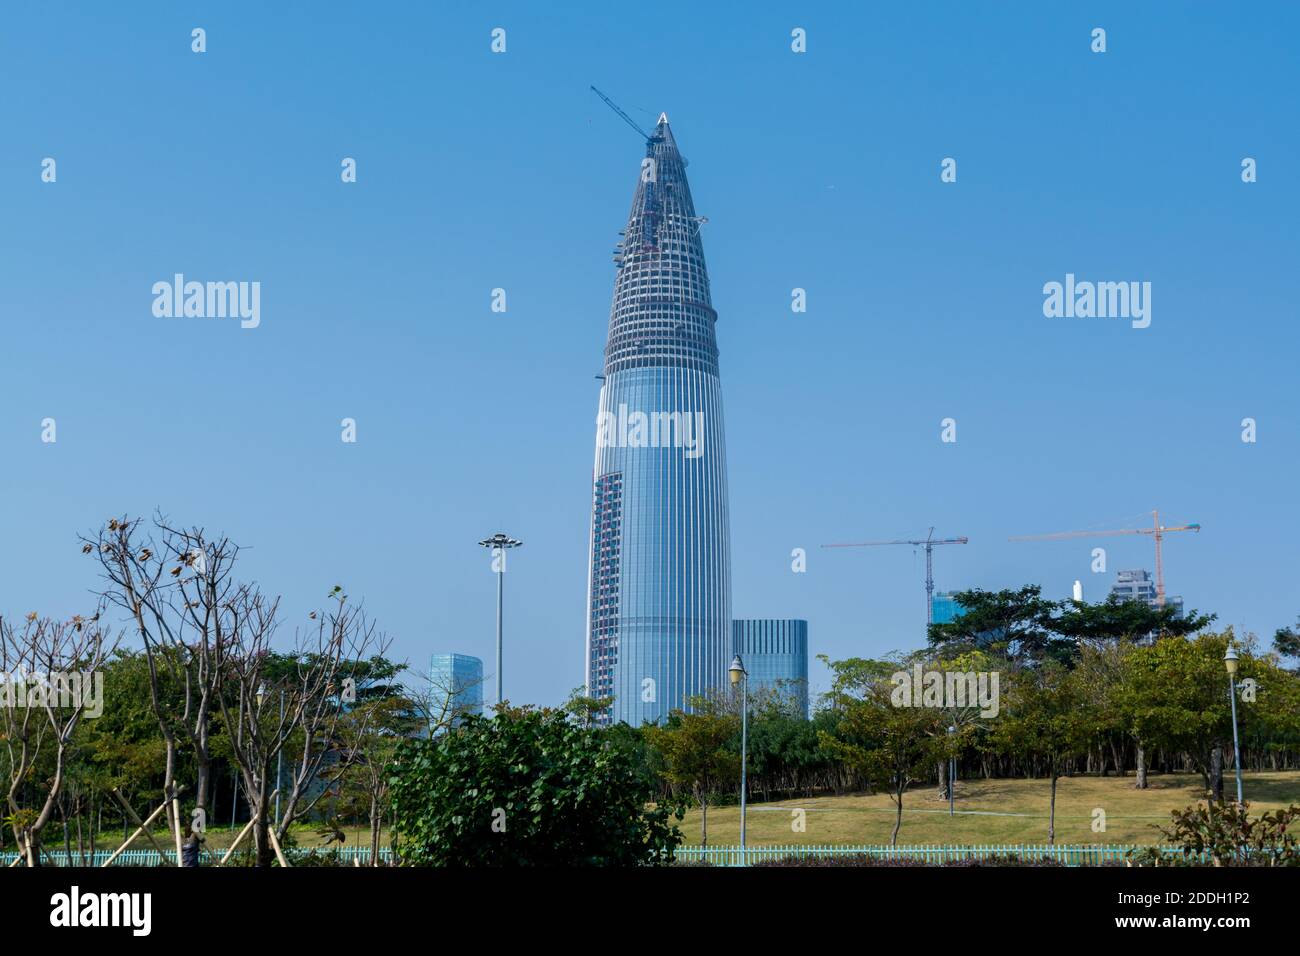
{"type": "Point", "coordinates": [1135, 585]}
{"type": "Point", "coordinates": [775, 654]}
{"type": "Point", "coordinates": [944, 607]}
{"type": "Point", "coordinates": [457, 680]}
{"type": "Point", "coordinates": [659, 577]}
{"type": "Point", "coordinates": [1138, 585]}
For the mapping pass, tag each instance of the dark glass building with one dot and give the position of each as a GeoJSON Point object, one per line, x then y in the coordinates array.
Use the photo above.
{"type": "Point", "coordinates": [659, 585]}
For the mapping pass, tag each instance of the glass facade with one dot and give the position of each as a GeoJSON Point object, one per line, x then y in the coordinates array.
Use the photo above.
{"type": "Point", "coordinates": [775, 654]}
{"type": "Point", "coordinates": [659, 580]}
{"type": "Point", "coordinates": [943, 608]}
{"type": "Point", "coordinates": [459, 678]}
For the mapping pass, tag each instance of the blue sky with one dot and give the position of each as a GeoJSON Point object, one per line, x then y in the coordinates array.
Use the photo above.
{"type": "Point", "coordinates": [819, 171]}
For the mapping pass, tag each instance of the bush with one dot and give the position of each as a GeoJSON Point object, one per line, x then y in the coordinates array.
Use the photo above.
{"type": "Point", "coordinates": [527, 787]}
{"type": "Point", "coordinates": [1228, 834]}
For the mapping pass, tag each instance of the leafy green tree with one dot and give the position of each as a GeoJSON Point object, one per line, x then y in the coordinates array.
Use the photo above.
{"type": "Point", "coordinates": [1045, 716]}
{"type": "Point", "coordinates": [585, 708]}
{"type": "Point", "coordinates": [1175, 695]}
{"type": "Point", "coordinates": [698, 754]}
{"type": "Point", "coordinates": [1116, 620]}
{"type": "Point", "coordinates": [370, 733]}
{"type": "Point", "coordinates": [890, 746]}
{"type": "Point", "coordinates": [1273, 727]}
{"type": "Point", "coordinates": [1286, 641]}
{"type": "Point", "coordinates": [1017, 624]}
{"type": "Point", "coordinates": [527, 787]}
{"type": "Point", "coordinates": [1099, 674]}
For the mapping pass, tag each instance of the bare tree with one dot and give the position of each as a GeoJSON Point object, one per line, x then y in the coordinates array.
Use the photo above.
{"type": "Point", "coordinates": [290, 704]}
{"type": "Point", "coordinates": [176, 586]}
{"type": "Point", "coordinates": [44, 666]}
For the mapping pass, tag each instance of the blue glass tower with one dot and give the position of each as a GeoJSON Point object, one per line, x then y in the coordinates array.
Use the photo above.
{"type": "Point", "coordinates": [775, 654]}
{"type": "Point", "coordinates": [944, 607]}
{"type": "Point", "coordinates": [456, 681]}
{"type": "Point", "coordinates": [659, 584]}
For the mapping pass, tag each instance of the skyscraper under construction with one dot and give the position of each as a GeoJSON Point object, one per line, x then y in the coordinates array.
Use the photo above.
{"type": "Point", "coordinates": [659, 585]}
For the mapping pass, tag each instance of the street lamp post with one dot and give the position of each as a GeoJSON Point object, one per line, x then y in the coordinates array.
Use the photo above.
{"type": "Point", "coordinates": [1230, 662]}
{"type": "Point", "coordinates": [952, 772]}
{"type": "Point", "coordinates": [279, 754]}
{"type": "Point", "coordinates": [500, 543]}
{"type": "Point", "coordinates": [740, 676]}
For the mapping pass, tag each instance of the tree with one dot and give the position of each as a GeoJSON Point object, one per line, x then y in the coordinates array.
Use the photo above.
{"type": "Point", "coordinates": [891, 746]}
{"type": "Point", "coordinates": [370, 733]}
{"type": "Point", "coordinates": [177, 587]}
{"type": "Point", "coordinates": [1115, 620]}
{"type": "Point", "coordinates": [44, 666]}
{"type": "Point", "coordinates": [1286, 641]}
{"type": "Point", "coordinates": [1099, 674]}
{"type": "Point", "coordinates": [1175, 695]}
{"type": "Point", "coordinates": [585, 708]}
{"type": "Point", "coordinates": [1017, 623]}
{"type": "Point", "coordinates": [1045, 716]}
{"type": "Point", "coordinates": [697, 752]}
{"type": "Point", "coordinates": [271, 702]}
{"type": "Point", "coordinates": [527, 787]}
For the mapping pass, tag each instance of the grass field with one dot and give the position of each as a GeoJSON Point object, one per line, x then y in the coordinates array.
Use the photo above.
{"type": "Point", "coordinates": [990, 811]}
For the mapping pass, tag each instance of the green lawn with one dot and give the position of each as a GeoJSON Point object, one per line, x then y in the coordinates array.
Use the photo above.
{"type": "Point", "coordinates": [989, 811]}
{"type": "Point", "coordinates": [218, 839]}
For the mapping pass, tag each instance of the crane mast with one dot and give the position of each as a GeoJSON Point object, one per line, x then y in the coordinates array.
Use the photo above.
{"type": "Point", "coordinates": [928, 542]}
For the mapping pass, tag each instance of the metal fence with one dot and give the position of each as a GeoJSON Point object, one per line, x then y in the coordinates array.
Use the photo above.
{"type": "Point", "coordinates": [56, 857]}
{"type": "Point", "coordinates": [931, 855]}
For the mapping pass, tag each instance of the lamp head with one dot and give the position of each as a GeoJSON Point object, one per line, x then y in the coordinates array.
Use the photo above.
{"type": "Point", "coordinates": [736, 671]}
{"type": "Point", "coordinates": [1230, 660]}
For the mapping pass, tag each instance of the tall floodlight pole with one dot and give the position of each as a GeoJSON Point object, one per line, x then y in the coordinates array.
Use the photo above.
{"type": "Point", "coordinates": [1230, 661]}
{"type": "Point", "coordinates": [500, 544]}
{"type": "Point", "coordinates": [740, 676]}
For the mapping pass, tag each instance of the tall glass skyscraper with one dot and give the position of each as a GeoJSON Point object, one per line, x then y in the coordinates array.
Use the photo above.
{"type": "Point", "coordinates": [659, 584]}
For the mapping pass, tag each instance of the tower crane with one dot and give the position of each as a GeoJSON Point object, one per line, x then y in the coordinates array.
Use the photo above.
{"type": "Point", "coordinates": [929, 543]}
{"type": "Point", "coordinates": [626, 119]}
{"type": "Point", "coordinates": [1157, 531]}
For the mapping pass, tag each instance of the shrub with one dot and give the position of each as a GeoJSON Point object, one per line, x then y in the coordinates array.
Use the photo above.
{"type": "Point", "coordinates": [1229, 835]}
{"type": "Point", "coordinates": [527, 787]}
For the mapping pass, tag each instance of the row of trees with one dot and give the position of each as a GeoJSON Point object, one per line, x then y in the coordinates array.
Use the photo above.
{"type": "Point", "coordinates": [324, 731]}
{"type": "Point", "coordinates": [1081, 687]}
{"type": "Point", "coordinates": [204, 696]}
{"type": "Point", "coordinates": [547, 786]}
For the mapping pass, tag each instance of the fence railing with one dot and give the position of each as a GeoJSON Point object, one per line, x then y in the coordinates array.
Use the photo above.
{"type": "Point", "coordinates": [934, 855]}
{"type": "Point", "coordinates": [55, 856]}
